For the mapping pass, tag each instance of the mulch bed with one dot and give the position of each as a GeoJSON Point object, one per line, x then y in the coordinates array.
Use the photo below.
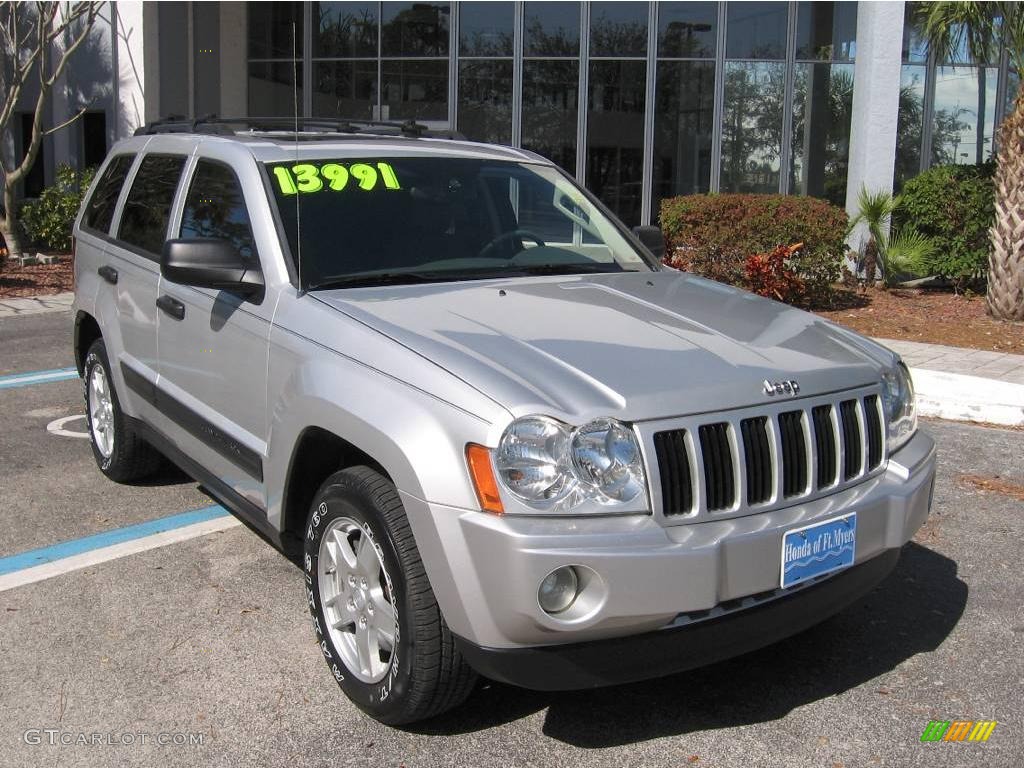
{"type": "Point", "coordinates": [926, 315]}
{"type": "Point", "coordinates": [18, 282]}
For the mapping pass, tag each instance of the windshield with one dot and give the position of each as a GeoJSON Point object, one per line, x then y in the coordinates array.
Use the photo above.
{"type": "Point", "coordinates": [417, 219]}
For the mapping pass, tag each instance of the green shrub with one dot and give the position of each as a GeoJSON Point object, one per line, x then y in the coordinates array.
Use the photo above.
{"type": "Point", "coordinates": [954, 206]}
{"type": "Point", "coordinates": [48, 221]}
{"type": "Point", "coordinates": [713, 235]}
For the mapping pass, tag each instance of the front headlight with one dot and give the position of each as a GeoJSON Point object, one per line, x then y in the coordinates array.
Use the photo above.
{"type": "Point", "coordinates": [550, 465]}
{"type": "Point", "coordinates": [899, 405]}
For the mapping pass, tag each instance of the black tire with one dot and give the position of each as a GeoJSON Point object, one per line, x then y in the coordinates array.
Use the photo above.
{"type": "Point", "coordinates": [132, 458]}
{"type": "Point", "coordinates": [426, 674]}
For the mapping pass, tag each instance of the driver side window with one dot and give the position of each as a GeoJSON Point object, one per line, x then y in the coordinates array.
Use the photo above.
{"type": "Point", "coordinates": [215, 207]}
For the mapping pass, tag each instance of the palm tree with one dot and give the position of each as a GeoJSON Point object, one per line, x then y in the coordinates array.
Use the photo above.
{"type": "Point", "coordinates": [875, 209]}
{"type": "Point", "coordinates": [981, 28]}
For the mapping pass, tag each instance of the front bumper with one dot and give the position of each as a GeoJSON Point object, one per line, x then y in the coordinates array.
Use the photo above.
{"type": "Point", "coordinates": [485, 569]}
{"type": "Point", "coordinates": [668, 651]}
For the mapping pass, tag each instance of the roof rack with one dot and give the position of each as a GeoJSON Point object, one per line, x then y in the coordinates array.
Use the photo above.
{"type": "Point", "coordinates": [223, 126]}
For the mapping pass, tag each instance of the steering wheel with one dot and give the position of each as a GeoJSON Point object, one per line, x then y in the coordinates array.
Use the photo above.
{"type": "Point", "coordinates": [520, 233]}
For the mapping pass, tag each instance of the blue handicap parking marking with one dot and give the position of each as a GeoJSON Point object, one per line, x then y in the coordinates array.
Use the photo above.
{"type": "Point", "coordinates": [37, 377]}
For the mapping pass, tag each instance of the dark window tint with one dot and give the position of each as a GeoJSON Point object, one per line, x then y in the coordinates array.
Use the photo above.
{"type": "Point", "coordinates": [272, 27]}
{"type": "Point", "coordinates": [148, 206]}
{"type": "Point", "coordinates": [94, 139]}
{"type": "Point", "coordinates": [273, 91]}
{"type": "Point", "coordinates": [415, 29]}
{"type": "Point", "coordinates": [345, 30]}
{"type": "Point", "coordinates": [215, 207]}
{"type": "Point", "coordinates": [756, 30]}
{"type": "Point", "coordinates": [826, 31]}
{"type": "Point", "coordinates": [618, 29]}
{"type": "Point", "coordinates": [551, 29]}
{"type": "Point", "coordinates": [485, 29]}
{"type": "Point", "coordinates": [687, 30]}
{"type": "Point", "coordinates": [344, 88]}
{"type": "Point", "coordinates": [100, 211]}
{"type": "Point", "coordinates": [485, 100]}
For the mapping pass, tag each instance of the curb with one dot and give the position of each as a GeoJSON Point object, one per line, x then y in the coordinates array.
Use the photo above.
{"type": "Point", "coordinates": [959, 397]}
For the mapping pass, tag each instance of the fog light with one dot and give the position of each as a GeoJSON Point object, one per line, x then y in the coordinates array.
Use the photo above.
{"type": "Point", "coordinates": [558, 590]}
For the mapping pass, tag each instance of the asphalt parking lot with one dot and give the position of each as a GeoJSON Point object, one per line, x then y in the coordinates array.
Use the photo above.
{"type": "Point", "coordinates": [208, 640]}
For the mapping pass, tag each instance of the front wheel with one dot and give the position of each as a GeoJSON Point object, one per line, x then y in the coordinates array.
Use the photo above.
{"type": "Point", "coordinates": [376, 619]}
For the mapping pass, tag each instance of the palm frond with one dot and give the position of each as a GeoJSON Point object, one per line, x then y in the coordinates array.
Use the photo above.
{"type": "Point", "coordinates": [950, 27]}
{"type": "Point", "coordinates": [908, 252]}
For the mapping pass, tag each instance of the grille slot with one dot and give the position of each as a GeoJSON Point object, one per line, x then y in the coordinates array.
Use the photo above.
{"type": "Point", "coordinates": [718, 468]}
{"type": "Point", "coordinates": [794, 453]}
{"type": "Point", "coordinates": [674, 469]}
{"type": "Point", "coordinates": [873, 418]}
{"type": "Point", "coordinates": [851, 438]}
{"type": "Point", "coordinates": [824, 444]}
{"type": "Point", "coordinates": [758, 458]}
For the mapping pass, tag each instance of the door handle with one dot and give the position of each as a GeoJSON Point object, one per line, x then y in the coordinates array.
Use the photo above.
{"type": "Point", "coordinates": [109, 274]}
{"type": "Point", "coordinates": [171, 306]}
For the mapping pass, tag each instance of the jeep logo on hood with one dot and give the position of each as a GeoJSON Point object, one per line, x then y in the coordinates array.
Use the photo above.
{"type": "Point", "coordinates": [788, 387]}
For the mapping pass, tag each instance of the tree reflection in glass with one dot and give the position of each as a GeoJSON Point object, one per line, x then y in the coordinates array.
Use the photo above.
{"type": "Point", "coordinates": [752, 126]}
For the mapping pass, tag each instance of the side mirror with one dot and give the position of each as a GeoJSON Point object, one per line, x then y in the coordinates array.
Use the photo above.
{"type": "Point", "coordinates": [208, 262]}
{"type": "Point", "coordinates": [652, 239]}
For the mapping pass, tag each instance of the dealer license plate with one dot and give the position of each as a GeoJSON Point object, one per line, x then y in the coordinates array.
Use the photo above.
{"type": "Point", "coordinates": [817, 549]}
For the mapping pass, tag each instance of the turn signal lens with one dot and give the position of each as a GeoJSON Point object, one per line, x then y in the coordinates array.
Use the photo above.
{"type": "Point", "coordinates": [479, 460]}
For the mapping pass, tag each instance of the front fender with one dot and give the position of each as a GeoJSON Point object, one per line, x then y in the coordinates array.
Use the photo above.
{"type": "Point", "coordinates": [418, 438]}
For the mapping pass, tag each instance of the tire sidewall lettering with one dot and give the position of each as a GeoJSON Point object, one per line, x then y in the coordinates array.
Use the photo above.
{"type": "Point", "coordinates": [371, 695]}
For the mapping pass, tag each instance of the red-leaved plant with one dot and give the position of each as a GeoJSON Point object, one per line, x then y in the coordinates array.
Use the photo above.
{"type": "Point", "coordinates": [772, 274]}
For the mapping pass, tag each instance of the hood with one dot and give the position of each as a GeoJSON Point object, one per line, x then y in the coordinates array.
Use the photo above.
{"type": "Point", "coordinates": [635, 346]}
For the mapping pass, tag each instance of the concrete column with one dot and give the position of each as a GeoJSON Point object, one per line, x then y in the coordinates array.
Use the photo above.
{"type": "Point", "coordinates": [150, 67]}
{"type": "Point", "coordinates": [234, 79]}
{"type": "Point", "coordinates": [131, 36]}
{"type": "Point", "coordinates": [876, 99]}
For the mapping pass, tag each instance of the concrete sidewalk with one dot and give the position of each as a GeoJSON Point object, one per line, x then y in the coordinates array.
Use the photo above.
{"type": "Point", "coordinates": [35, 305]}
{"type": "Point", "coordinates": [965, 384]}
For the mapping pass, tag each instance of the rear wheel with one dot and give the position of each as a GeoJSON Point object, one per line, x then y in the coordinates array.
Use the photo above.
{"type": "Point", "coordinates": [376, 619]}
{"type": "Point", "coordinates": [120, 453]}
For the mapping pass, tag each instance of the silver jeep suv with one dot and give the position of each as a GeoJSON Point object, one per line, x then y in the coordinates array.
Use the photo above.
{"type": "Point", "coordinates": [497, 434]}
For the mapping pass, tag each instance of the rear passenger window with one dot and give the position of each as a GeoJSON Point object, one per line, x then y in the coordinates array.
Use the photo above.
{"type": "Point", "coordinates": [100, 210]}
{"type": "Point", "coordinates": [148, 205]}
{"type": "Point", "coordinates": [215, 207]}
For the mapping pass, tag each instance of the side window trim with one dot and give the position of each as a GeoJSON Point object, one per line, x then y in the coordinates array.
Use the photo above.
{"type": "Point", "coordinates": [183, 192]}
{"type": "Point", "coordinates": [115, 224]}
{"type": "Point", "coordinates": [129, 183]}
{"type": "Point", "coordinates": [115, 216]}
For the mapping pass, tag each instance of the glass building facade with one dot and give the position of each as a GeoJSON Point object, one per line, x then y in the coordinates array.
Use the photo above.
{"type": "Point", "coordinates": [949, 106]}
{"type": "Point", "coordinates": [639, 101]}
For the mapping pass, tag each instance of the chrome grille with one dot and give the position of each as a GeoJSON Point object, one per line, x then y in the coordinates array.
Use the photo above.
{"type": "Point", "coordinates": [755, 459]}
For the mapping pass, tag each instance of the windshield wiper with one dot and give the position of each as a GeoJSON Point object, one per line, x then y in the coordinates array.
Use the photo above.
{"type": "Point", "coordinates": [572, 268]}
{"type": "Point", "coordinates": [362, 279]}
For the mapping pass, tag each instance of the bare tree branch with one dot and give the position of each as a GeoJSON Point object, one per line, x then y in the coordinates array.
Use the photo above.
{"type": "Point", "coordinates": [66, 123]}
